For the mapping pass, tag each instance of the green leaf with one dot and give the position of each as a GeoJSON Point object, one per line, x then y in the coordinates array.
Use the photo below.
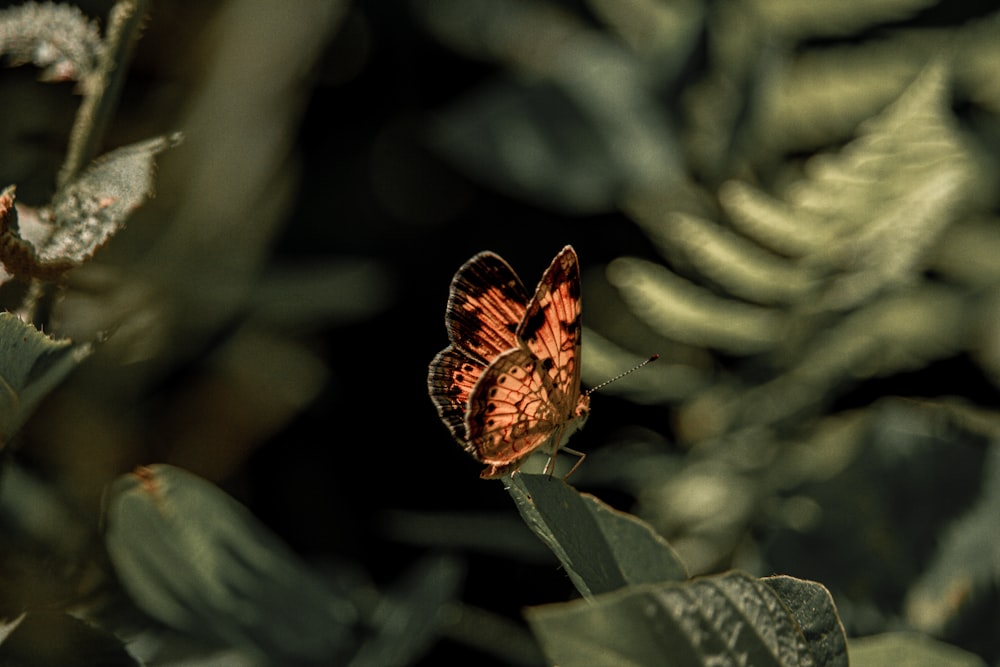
{"type": "Point", "coordinates": [576, 126]}
{"type": "Point", "coordinates": [410, 615]}
{"type": "Point", "coordinates": [811, 605]}
{"type": "Point", "coordinates": [48, 639]}
{"type": "Point", "coordinates": [83, 215]}
{"type": "Point", "coordinates": [31, 365]}
{"type": "Point", "coordinates": [967, 563]}
{"type": "Point", "coordinates": [731, 619]}
{"type": "Point", "coordinates": [910, 649]}
{"type": "Point", "coordinates": [601, 548]}
{"type": "Point", "coordinates": [92, 208]}
{"type": "Point", "coordinates": [55, 37]}
{"type": "Point", "coordinates": [195, 559]}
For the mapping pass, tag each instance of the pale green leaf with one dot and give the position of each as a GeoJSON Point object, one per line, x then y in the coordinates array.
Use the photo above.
{"type": "Point", "coordinates": [55, 37]}
{"type": "Point", "coordinates": [88, 211]}
{"type": "Point", "coordinates": [31, 365]}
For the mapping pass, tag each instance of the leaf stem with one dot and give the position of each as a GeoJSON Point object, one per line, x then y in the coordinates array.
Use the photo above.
{"type": "Point", "coordinates": [104, 89]}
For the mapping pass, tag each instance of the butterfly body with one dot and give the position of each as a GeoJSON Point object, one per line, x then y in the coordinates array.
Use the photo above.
{"type": "Point", "coordinates": [509, 383]}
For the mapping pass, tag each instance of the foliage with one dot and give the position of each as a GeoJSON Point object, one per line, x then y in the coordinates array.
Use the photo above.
{"type": "Point", "coordinates": [813, 190]}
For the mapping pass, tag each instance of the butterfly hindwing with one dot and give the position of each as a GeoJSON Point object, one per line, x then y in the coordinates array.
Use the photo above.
{"type": "Point", "coordinates": [453, 374]}
{"type": "Point", "coordinates": [510, 412]}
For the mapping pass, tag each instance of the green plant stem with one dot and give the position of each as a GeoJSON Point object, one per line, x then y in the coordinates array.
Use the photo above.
{"type": "Point", "coordinates": [102, 94]}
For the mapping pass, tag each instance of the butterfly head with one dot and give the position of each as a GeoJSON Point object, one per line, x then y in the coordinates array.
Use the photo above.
{"type": "Point", "coordinates": [577, 418]}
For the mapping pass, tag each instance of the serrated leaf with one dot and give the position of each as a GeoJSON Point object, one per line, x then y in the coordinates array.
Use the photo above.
{"type": "Point", "coordinates": [88, 211]}
{"type": "Point", "coordinates": [31, 365]}
{"type": "Point", "coordinates": [601, 548]}
{"type": "Point", "coordinates": [910, 649]}
{"type": "Point", "coordinates": [812, 607]}
{"type": "Point", "coordinates": [55, 37]}
{"type": "Point", "coordinates": [731, 619]}
{"type": "Point", "coordinates": [83, 215]}
{"type": "Point", "coordinates": [195, 559]}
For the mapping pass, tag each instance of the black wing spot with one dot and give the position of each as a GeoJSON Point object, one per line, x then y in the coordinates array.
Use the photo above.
{"type": "Point", "coordinates": [533, 324]}
{"type": "Point", "coordinates": [574, 289]}
{"type": "Point", "coordinates": [548, 363]}
{"type": "Point", "coordinates": [459, 377]}
{"type": "Point", "coordinates": [512, 290]}
{"type": "Point", "coordinates": [490, 407]}
{"type": "Point", "coordinates": [454, 390]}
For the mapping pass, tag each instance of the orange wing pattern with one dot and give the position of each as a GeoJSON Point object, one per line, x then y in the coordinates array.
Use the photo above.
{"type": "Point", "coordinates": [526, 396]}
{"type": "Point", "coordinates": [485, 305]}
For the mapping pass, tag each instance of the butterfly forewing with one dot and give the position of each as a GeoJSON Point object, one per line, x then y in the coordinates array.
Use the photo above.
{"type": "Point", "coordinates": [485, 306]}
{"type": "Point", "coordinates": [551, 327]}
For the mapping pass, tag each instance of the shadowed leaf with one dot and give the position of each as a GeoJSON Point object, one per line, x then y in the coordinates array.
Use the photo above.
{"type": "Point", "coordinates": [910, 649]}
{"type": "Point", "coordinates": [195, 559]}
{"type": "Point", "coordinates": [31, 365]}
{"type": "Point", "coordinates": [601, 548]}
{"type": "Point", "coordinates": [732, 619]}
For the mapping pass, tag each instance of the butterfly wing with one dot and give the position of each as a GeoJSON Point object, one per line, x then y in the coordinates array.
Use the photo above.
{"type": "Point", "coordinates": [528, 395]}
{"type": "Point", "coordinates": [485, 306]}
{"type": "Point", "coordinates": [511, 412]}
{"type": "Point", "coordinates": [551, 328]}
{"type": "Point", "coordinates": [486, 303]}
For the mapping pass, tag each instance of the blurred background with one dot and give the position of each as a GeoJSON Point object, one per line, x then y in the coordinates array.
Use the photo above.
{"type": "Point", "coordinates": [794, 204]}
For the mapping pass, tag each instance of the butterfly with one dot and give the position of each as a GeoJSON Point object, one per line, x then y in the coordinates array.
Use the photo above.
{"type": "Point", "coordinates": [509, 383]}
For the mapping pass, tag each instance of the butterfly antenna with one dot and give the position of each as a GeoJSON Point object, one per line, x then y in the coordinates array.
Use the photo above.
{"type": "Point", "coordinates": [621, 375]}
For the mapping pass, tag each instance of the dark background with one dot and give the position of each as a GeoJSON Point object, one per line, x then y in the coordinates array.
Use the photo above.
{"type": "Point", "coordinates": [370, 184]}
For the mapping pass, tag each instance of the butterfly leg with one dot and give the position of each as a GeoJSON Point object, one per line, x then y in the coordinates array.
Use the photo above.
{"type": "Point", "coordinates": [550, 466]}
{"type": "Point", "coordinates": [576, 465]}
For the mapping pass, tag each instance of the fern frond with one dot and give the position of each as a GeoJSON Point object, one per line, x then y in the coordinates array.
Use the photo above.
{"type": "Point", "coordinates": [739, 266]}
{"type": "Point", "coordinates": [683, 311]}
{"type": "Point", "coordinates": [830, 18]}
